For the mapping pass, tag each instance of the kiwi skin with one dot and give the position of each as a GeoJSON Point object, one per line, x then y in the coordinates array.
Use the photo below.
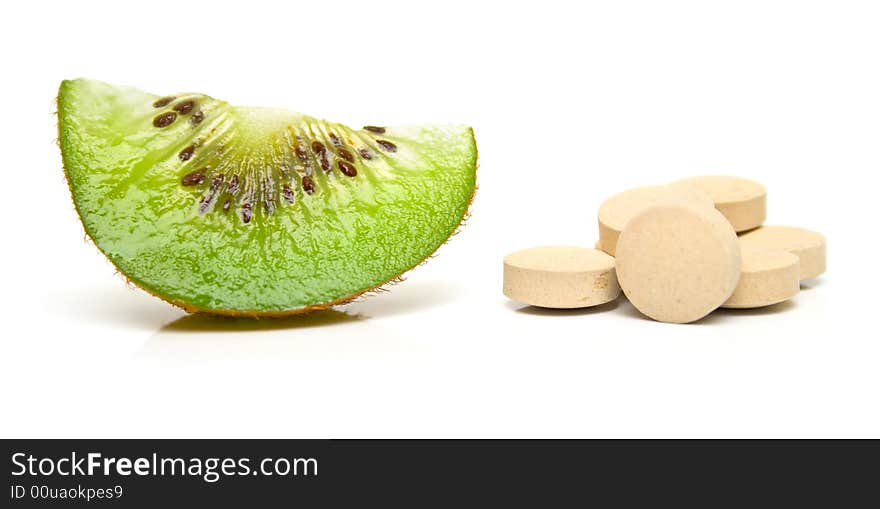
{"type": "Point", "coordinates": [235, 313]}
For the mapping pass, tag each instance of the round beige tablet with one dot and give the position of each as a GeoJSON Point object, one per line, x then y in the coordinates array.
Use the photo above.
{"type": "Point", "coordinates": [677, 263]}
{"type": "Point", "coordinates": [807, 245]}
{"type": "Point", "coordinates": [769, 276]}
{"type": "Point", "coordinates": [620, 208]}
{"type": "Point", "coordinates": [742, 201]}
{"type": "Point", "coordinates": [561, 277]}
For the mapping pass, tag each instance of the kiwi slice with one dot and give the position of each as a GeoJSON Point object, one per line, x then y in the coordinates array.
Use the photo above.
{"type": "Point", "coordinates": [256, 211]}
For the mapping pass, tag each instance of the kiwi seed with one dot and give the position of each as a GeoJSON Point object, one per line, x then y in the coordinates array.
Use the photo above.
{"type": "Point", "coordinates": [184, 107]}
{"type": "Point", "coordinates": [165, 101]}
{"type": "Point", "coordinates": [193, 178]}
{"type": "Point", "coordinates": [187, 153]}
{"type": "Point", "coordinates": [387, 145]}
{"type": "Point", "coordinates": [165, 119]}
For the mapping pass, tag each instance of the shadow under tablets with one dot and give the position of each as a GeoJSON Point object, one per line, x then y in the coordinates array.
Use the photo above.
{"type": "Point", "coordinates": [539, 311]}
{"type": "Point", "coordinates": [810, 284]}
{"type": "Point", "coordinates": [722, 315]}
{"type": "Point", "coordinates": [622, 306]}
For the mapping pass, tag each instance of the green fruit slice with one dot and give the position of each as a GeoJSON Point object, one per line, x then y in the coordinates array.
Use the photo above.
{"type": "Point", "coordinates": [242, 210]}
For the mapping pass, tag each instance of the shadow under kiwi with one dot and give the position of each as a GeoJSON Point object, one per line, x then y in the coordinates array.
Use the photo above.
{"type": "Point", "coordinates": [206, 323]}
{"type": "Point", "coordinates": [345, 332]}
{"type": "Point", "coordinates": [539, 311]}
{"type": "Point", "coordinates": [318, 335]}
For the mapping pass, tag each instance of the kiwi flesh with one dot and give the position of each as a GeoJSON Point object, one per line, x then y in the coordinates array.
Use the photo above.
{"type": "Point", "coordinates": [256, 211]}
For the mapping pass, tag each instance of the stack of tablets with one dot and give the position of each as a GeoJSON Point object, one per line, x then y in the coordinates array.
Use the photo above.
{"type": "Point", "coordinates": [678, 251]}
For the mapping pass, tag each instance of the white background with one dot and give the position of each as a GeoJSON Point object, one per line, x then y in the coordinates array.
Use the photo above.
{"type": "Point", "coordinates": [571, 102]}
